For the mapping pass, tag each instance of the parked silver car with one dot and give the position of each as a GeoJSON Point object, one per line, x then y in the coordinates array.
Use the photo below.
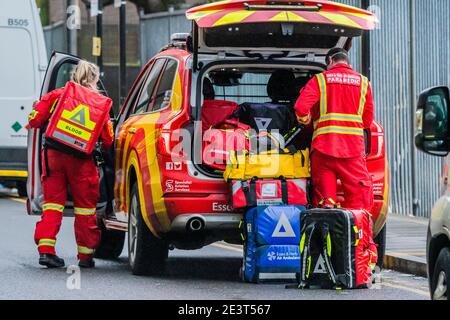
{"type": "Point", "coordinates": [433, 137]}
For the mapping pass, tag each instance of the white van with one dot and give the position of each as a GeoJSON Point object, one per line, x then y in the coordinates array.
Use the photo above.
{"type": "Point", "coordinates": [23, 60]}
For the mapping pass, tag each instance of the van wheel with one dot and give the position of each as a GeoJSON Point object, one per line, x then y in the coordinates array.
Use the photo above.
{"type": "Point", "coordinates": [146, 253]}
{"type": "Point", "coordinates": [441, 276]}
{"type": "Point", "coordinates": [380, 240]}
{"type": "Point", "coordinates": [111, 243]}
{"type": "Point", "coordinates": [22, 189]}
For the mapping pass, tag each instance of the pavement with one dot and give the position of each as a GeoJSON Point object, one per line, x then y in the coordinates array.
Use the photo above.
{"type": "Point", "coordinates": [209, 273]}
{"type": "Point", "coordinates": [406, 244]}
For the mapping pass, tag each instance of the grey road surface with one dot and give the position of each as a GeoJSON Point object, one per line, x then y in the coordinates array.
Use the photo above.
{"type": "Point", "coordinates": [210, 273]}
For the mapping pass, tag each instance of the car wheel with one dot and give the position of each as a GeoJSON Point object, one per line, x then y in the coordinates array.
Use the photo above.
{"type": "Point", "coordinates": [380, 240]}
{"type": "Point", "coordinates": [146, 253]}
{"type": "Point", "coordinates": [22, 189]}
{"type": "Point", "coordinates": [111, 243]}
{"type": "Point", "coordinates": [441, 276]}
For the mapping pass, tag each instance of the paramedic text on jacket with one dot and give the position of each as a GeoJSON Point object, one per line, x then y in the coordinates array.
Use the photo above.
{"type": "Point", "coordinates": [340, 104]}
{"type": "Point", "coordinates": [60, 169]}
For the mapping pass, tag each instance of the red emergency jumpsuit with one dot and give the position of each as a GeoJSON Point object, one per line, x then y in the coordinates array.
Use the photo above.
{"type": "Point", "coordinates": [81, 175]}
{"type": "Point", "coordinates": [340, 103]}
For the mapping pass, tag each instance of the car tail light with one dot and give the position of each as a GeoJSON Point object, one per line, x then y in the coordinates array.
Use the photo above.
{"type": "Point", "coordinates": [377, 142]}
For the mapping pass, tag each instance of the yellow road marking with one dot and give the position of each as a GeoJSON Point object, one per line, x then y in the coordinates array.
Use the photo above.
{"type": "Point", "coordinates": [416, 291]}
{"type": "Point", "coordinates": [222, 246]}
{"type": "Point", "coordinates": [18, 200]}
{"type": "Point", "coordinates": [14, 173]}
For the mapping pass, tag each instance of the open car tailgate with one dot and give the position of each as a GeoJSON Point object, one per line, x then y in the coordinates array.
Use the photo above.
{"type": "Point", "coordinates": [311, 26]}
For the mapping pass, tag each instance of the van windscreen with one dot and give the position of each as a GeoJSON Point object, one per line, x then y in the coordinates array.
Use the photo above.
{"type": "Point", "coordinates": [17, 70]}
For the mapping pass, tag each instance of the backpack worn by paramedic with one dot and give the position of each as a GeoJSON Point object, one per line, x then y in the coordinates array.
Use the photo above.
{"type": "Point", "coordinates": [337, 249]}
{"type": "Point", "coordinates": [77, 121]}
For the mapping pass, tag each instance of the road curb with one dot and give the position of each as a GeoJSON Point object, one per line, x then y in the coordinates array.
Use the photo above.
{"type": "Point", "coordinates": [406, 264]}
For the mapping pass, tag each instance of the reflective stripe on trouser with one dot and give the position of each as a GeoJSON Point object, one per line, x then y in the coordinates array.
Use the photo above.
{"type": "Point", "coordinates": [85, 250]}
{"type": "Point", "coordinates": [84, 211]}
{"type": "Point", "coordinates": [82, 177]}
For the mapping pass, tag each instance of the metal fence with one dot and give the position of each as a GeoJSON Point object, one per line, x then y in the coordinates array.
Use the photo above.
{"type": "Point", "coordinates": [410, 51]}
{"type": "Point", "coordinates": [55, 37]}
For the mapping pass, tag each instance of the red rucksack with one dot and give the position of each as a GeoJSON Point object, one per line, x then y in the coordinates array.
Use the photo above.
{"type": "Point", "coordinates": [78, 120]}
{"type": "Point", "coordinates": [337, 249]}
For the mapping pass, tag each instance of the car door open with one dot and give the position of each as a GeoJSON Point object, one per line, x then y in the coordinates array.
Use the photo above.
{"type": "Point", "coordinates": [58, 73]}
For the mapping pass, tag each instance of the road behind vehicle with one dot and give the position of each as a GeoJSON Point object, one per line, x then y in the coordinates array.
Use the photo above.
{"type": "Point", "coordinates": [433, 137]}
{"type": "Point", "coordinates": [23, 61]}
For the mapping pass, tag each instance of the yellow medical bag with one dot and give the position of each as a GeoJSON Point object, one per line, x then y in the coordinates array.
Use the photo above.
{"type": "Point", "coordinates": [272, 164]}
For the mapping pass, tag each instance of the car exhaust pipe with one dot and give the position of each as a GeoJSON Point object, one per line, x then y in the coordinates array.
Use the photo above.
{"type": "Point", "coordinates": [195, 225]}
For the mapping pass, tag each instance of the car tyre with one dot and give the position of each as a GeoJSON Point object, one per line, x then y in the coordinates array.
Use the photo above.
{"type": "Point", "coordinates": [380, 240]}
{"type": "Point", "coordinates": [147, 254]}
{"type": "Point", "coordinates": [111, 243]}
{"type": "Point", "coordinates": [441, 276]}
{"type": "Point", "coordinates": [22, 189]}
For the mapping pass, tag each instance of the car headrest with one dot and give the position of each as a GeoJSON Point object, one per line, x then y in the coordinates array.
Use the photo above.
{"type": "Point", "coordinates": [282, 87]}
{"type": "Point", "coordinates": [208, 90]}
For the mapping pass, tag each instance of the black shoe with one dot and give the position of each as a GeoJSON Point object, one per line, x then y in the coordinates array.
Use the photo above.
{"type": "Point", "coordinates": [51, 261]}
{"type": "Point", "coordinates": [86, 263]}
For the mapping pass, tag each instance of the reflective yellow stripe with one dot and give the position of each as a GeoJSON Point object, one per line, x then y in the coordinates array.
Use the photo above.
{"type": "Point", "coordinates": [323, 94]}
{"type": "Point", "coordinates": [53, 206]}
{"type": "Point", "coordinates": [67, 127]}
{"type": "Point", "coordinates": [341, 117]}
{"type": "Point", "coordinates": [53, 106]}
{"type": "Point", "coordinates": [364, 89]}
{"type": "Point", "coordinates": [13, 173]}
{"type": "Point", "coordinates": [85, 250]}
{"type": "Point", "coordinates": [47, 242]}
{"type": "Point", "coordinates": [338, 130]}
{"type": "Point", "coordinates": [33, 114]}
{"type": "Point", "coordinates": [302, 243]}
{"type": "Point", "coordinates": [85, 211]}
{"type": "Point", "coordinates": [329, 245]}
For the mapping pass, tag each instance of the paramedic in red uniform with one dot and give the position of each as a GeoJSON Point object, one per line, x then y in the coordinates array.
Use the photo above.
{"type": "Point", "coordinates": [65, 170]}
{"type": "Point", "coordinates": [339, 102]}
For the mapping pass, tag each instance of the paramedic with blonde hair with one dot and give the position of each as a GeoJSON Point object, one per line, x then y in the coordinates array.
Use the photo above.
{"type": "Point", "coordinates": [61, 170]}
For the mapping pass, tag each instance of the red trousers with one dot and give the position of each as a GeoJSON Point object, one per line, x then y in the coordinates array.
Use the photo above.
{"type": "Point", "coordinates": [81, 176]}
{"type": "Point", "coordinates": [353, 174]}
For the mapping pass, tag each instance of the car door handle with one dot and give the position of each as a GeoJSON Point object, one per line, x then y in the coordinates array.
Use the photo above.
{"type": "Point", "coordinates": [132, 130]}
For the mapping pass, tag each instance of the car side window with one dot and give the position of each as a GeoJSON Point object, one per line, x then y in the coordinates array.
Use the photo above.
{"type": "Point", "coordinates": [148, 87]}
{"type": "Point", "coordinates": [163, 94]}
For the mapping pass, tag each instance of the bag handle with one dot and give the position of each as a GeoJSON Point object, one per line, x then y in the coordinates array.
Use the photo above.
{"type": "Point", "coordinates": [284, 190]}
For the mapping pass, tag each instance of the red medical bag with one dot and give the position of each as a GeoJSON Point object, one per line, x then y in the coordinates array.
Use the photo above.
{"type": "Point", "coordinates": [263, 192]}
{"type": "Point", "coordinates": [337, 249]}
{"type": "Point", "coordinates": [217, 143]}
{"type": "Point", "coordinates": [215, 112]}
{"type": "Point", "coordinates": [78, 120]}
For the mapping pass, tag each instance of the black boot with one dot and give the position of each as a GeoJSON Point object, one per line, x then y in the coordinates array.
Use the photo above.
{"type": "Point", "coordinates": [51, 261]}
{"type": "Point", "coordinates": [90, 263]}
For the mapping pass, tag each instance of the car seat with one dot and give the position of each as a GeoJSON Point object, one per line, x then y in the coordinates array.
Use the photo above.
{"type": "Point", "coordinates": [277, 114]}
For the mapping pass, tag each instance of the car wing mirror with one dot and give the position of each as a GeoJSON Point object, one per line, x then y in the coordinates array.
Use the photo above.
{"type": "Point", "coordinates": [432, 121]}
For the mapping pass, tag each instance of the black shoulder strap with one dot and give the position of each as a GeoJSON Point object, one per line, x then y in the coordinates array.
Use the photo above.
{"type": "Point", "coordinates": [326, 251]}
{"type": "Point", "coordinates": [305, 251]}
